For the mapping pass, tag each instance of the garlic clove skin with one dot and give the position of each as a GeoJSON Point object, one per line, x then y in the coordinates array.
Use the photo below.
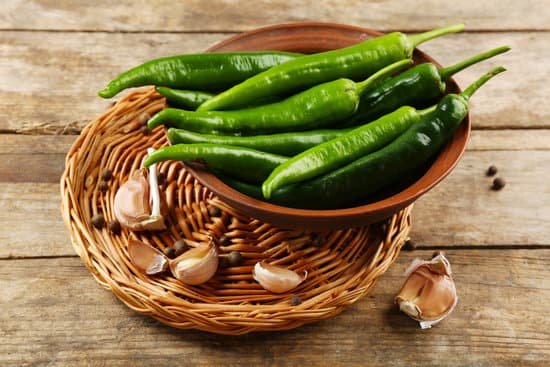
{"type": "Point", "coordinates": [132, 205]}
{"type": "Point", "coordinates": [275, 278]}
{"type": "Point", "coordinates": [429, 293]}
{"type": "Point", "coordinates": [197, 265]}
{"type": "Point", "coordinates": [146, 258]}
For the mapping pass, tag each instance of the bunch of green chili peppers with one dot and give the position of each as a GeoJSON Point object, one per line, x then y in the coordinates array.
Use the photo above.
{"type": "Point", "coordinates": [318, 131]}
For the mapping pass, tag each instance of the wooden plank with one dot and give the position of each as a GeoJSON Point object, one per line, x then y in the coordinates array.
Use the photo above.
{"type": "Point", "coordinates": [216, 15]}
{"type": "Point", "coordinates": [500, 320]}
{"type": "Point", "coordinates": [31, 223]}
{"type": "Point", "coordinates": [69, 68]}
{"type": "Point", "coordinates": [39, 158]}
{"type": "Point", "coordinates": [464, 211]}
{"type": "Point", "coordinates": [461, 211]}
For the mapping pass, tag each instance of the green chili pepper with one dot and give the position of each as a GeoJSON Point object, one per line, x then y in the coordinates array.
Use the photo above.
{"type": "Point", "coordinates": [342, 150]}
{"type": "Point", "coordinates": [187, 99]}
{"type": "Point", "coordinates": [355, 62]}
{"type": "Point", "coordinates": [243, 163]}
{"type": "Point", "coordinates": [191, 99]}
{"type": "Point", "coordinates": [246, 188]}
{"type": "Point", "coordinates": [417, 87]}
{"type": "Point", "coordinates": [316, 107]}
{"type": "Point", "coordinates": [206, 72]}
{"type": "Point", "coordinates": [348, 184]}
{"type": "Point", "coordinates": [287, 144]}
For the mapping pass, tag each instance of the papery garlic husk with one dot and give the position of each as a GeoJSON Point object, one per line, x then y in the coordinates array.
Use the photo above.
{"type": "Point", "coordinates": [275, 278]}
{"type": "Point", "coordinates": [429, 293]}
{"type": "Point", "coordinates": [197, 265]}
{"type": "Point", "coordinates": [146, 258]}
{"type": "Point", "coordinates": [132, 204]}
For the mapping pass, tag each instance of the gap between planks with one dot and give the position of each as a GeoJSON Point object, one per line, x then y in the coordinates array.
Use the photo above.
{"type": "Point", "coordinates": [420, 248]}
{"type": "Point", "coordinates": [232, 32]}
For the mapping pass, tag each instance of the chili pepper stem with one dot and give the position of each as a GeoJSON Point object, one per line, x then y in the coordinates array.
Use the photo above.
{"type": "Point", "coordinates": [427, 111]}
{"type": "Point", "coordinates": [382, 73]}
{"type": "Point", "coordinates": [445, 73]}
{"type": "Point", "coordinates": [472, 88]}
{"type": "Point", "coordinates": [417, 39]}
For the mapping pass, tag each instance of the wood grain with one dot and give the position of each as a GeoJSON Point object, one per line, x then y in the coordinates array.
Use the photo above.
{"type": "Point", "coordinates": [50, 82]}
{"type": "Point", "coordinates": [235, 15]}
{"type": "Point", "coordinates": [31, 221]}
{"type": "Point", "coordinates": [461, 211]}
{"type": "Point", "coordinates": [55, 314]}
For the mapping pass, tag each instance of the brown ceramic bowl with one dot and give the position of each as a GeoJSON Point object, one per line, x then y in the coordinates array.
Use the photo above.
{"type": "Point", "coordinates": [317, 37]}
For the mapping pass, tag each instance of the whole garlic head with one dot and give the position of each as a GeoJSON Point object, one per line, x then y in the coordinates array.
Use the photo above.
{"type": "Point", "coordinates": [429, 293]}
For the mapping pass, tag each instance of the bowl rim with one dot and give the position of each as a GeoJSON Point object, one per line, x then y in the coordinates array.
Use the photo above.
{"type": "Point", "coordinates": [388, 205]}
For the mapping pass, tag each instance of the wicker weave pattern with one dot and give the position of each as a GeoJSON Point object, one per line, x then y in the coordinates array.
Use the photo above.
{"type": "Point", "coordinates": [343, 265]}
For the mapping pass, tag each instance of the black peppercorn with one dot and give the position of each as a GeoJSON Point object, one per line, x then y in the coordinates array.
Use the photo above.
{"type": "Point", "coordinates": [492, 170]}
{"type": "Point", "coordinates": [214, 211]}
{"type": "Point", "coordinates": [409, 245]}
{"type": "Point", "coordinates": [235, 258]}
{"type": "Point", "coordinates": [103, 186]}
{"type": "Point", "coordinates": [225, 241]}
{"type": "Point", "coordinates": [145, 130]}
{"type": "Point", "coordinates": [161, 178]}
{"type": "Point", "coordinates": [107, 174]}
{"type": "Point", "coordinates": [114, 226]}
{"type": "Point", "coordinates": [180, 246]}
{"type": "Point", "coordinates": [295, 300]}
{"type": "Point", "coordinates": [169, 252]}
{"type": "Point", "coordinates": [318, 240]}
{"type": "Point", "coordinates": [498, 183]}
{"type": "Point", "coordinates": [98, 221]}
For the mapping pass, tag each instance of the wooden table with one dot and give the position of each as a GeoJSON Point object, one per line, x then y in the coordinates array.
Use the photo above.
{"type": "Point", "coordinates": [55, 55]}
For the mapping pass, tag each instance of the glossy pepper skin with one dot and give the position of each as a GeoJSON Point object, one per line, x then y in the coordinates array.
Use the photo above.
{"type": "Point", "coordinates": [186, 99]}
{"type": "Point", "coordinates": [320, 106]}
{"type": "Point", "coordinates": [191, 99]}
{"type": "Point", "coordinates": [348, 184]}
{"type": "Point", "coordinates": [287, 144]}
{"type": "Point", "coordinates": [417, 87]}
{"type": "Point", "coordinates": [244, 164]}
{"type": "Point", "coordinates": [355, 62]}
{"type": "Point", "coordinates": [204, 72]}
{"type": "Point", "coordinates": [342, 150]}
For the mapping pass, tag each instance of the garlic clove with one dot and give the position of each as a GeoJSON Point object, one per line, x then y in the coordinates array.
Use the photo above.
{"type": "Point", "coordinates": [277, 279]}
{"type": "Point", "coordinates": [197, 265]}
{"type": "Point", "coordinates": [146, 258]}
{"type": "Point", "coordinates": [429, 293]}
{"type": "Point", "coordinates": [137, 202]}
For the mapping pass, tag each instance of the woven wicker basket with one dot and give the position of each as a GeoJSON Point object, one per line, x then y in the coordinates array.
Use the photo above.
{"type": "Point", "coordinates": [343, 265]}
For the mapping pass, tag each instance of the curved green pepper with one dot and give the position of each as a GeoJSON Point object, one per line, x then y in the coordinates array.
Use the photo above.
{"type": "Point", "coordinates": [355, 62]}
{"type": "Point", "coordinates": [187, 99]}
{"type": "Point", "coordinates": [287, 144]}
{"type": "Point", "coordinates": [316, 107]}
{"type": "Point", "coordinates": [417, 87]}
{"type": "Point", "coordinates": [342, 150]}
{"type": "Point", "coordinates": [205, 72]}
{"type": "Point", "coordinates": [347, 185]}
{"type": "Point", "coordinates": [243, 163]}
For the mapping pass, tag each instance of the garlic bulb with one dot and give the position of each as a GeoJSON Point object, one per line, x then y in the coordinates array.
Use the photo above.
{"type": "Point", "coordinates": [276, 279]}
{"type": "Point", "coordinates": [137, 202]}
{"type": "Point", "coordinates": [429, 293]}
{"type": "Point", "coordinates": [197, 265]}
{"type": "Point", "coordinates": [146, 258]}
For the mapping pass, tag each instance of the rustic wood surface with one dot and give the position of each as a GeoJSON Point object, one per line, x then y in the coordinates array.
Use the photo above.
{"type": "Point", "coordinates": [55, 55]}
